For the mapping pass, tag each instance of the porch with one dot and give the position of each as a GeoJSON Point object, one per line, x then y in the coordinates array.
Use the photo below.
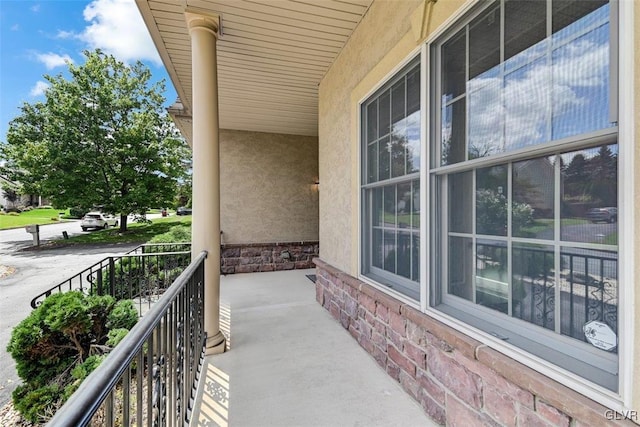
{"type": "Point", "coordinates": [290, 363]}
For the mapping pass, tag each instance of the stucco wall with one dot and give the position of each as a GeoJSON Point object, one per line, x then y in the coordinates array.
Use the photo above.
{"type": "Point", "coordinates": [267, 189]}
{"type": "Point", "coordinates": [384, 38]}
{"type": "Point", "coordinates": [380, 30]}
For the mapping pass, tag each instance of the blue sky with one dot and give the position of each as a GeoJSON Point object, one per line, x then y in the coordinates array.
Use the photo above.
{"type": "Point", "coordinates": [37, 37]}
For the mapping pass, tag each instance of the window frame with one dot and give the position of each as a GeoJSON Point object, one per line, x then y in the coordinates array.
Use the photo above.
{"type": "Point", "coordinates": [377, 277]}
{"type": "Point", "coordinates": [623, 76]}
{"type": "Point", "coordinates": [622, 72]}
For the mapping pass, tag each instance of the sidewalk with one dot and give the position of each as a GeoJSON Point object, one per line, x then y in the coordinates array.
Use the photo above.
{"type": "Point", "coordinates": [290, 364]}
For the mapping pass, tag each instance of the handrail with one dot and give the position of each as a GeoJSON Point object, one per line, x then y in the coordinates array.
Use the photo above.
{"type": "Point", "coordinates": [94, 390]}
{"type": "Point", "coordinates": [69, 285]}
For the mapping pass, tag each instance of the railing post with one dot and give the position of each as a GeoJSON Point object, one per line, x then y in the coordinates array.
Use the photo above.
{"type": "Point", "coordinates": [112, 276]}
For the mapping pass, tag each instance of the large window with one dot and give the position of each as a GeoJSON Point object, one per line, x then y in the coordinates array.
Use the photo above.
{"type": "Point", "coordinates": [391, 183]}
{"type": "Point", "coordinates": [524, 179]}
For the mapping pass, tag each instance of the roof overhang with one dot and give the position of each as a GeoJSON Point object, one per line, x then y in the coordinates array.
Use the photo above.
{"type": "Point", "coordinates": [272, 55]}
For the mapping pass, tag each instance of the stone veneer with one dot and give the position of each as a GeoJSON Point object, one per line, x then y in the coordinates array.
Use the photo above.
{"type": "Point", "coordinates": [253, 257]}
{"type": "Point", "coordinates": [457, 380]}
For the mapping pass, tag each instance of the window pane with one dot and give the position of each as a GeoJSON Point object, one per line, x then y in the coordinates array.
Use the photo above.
{"type": "Point", "coordinates": [491, 201]}
{"type": "Point", "coordinates": [372, 121]}
{"type": "Point", "coordinates": [484, 42]}
{"type": "Point", "coordinates": [527, 116]}
{"type": "Point", "coordinates": [415, 205]}
{"type": "Point", "coordinates": [532, 210]}
{"type": "Point", "coordinates": [390, 206]}
{"type": "Point", "coordinates": [485, 115]}
{"type": "Point", "coordinates": [372, 162]}
{"type": "Point", "coordinates": [376, 248]}
{"type": "Point", "coordinates": [453, 133]}
{"type": "Point", "coordinates": [376, 206]}
{"type": "Point", "coordinates": [404, 254]}
{"type": "Point", "coordinates": [390, 251]}
{"type": "Point", "coordinates": [413, 142]}
{"type": "Point", "coordinates": [570, 15]}
{"type": "Point", "coordinates": [398, 151]}
{"type": "Point", "coordinates": [384, 114]}
{"type": "Point", "coordinates": [460, 207]}
{"type": "Point", "coordinates": [415, 257]}
{"type": "Point", "coordinates": [533, 294]}
{"type": "Point", "coordinates": [461, 267]}
{"type": "Point", "coordinates": [384, 159]}
{"type": "Point", "coordinates": [454, 67]}
{"type": "Point", "coordinates": [403, 205]}
{"type": "Point", "coordinates": [581, 84]}
{"type": "Point", "coordinates": [589, 289]}
{"type": "Point", "coordinates": [590, 195]}
{"type": "Point", "coordinates": [492, 277]}
{"type": "Point", "coordinates": [413, 91]}
{"type": "Point", "coordinates": [398, 102]}
{"type": "Point", "coordinates": [525, 25]}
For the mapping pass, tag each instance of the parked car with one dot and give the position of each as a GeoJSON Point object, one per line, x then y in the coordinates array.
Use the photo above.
{"type": "Point", "coordinates": [608, 214]}
{"type": "Point", "coordinates": [98, 220]}
{"type": "Point", "coordinates": [183, 211]}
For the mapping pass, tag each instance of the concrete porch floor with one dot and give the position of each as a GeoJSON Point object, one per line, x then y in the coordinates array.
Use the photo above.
{"type": "Point", "coordinates": [290, 363]}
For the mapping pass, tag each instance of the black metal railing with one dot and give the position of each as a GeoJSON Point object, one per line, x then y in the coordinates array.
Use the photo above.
{"type": "Point", "coordinates": [150, 378]}
{"type": "Point", "coordinates": [587, 281]}
{"type": "Point", "coordinates": [141, 274]}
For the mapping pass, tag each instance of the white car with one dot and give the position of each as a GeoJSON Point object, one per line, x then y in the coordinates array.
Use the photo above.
{"type": "Point", "coordinates": [98, 220]}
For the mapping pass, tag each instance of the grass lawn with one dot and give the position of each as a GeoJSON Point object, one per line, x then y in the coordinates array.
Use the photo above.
{"type": "Point", "coordinates": [36, 216]}
{"type": "Point", "coordinates": [136, 232]}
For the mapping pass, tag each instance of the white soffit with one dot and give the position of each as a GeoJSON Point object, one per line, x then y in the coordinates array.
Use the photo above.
{"type": "Point", "coordinates": [271, 56]}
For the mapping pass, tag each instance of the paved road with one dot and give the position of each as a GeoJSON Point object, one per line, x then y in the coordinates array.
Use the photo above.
{"type": "Point", "coordinates": [34, 271]}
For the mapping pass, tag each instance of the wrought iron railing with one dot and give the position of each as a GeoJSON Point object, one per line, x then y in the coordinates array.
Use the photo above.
{"type": "Point", "coordinates": [150, 378]}
{"type": "Point", "coordinates": [141, 274]}
{"type": "Point", "coordinates": [587, 282]}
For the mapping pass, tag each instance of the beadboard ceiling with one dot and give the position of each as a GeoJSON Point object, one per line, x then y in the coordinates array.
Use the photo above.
{"type": "Point", "coordinates": [272, 55]}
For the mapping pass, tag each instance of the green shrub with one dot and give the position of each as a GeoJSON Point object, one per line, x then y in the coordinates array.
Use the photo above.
{"type": "Point", "coordinates": [176, 234]}
{"type": "Point", "coordinates": [115, 336]}
{"type": "Point", "coordinates": [77, 212]}
{"type": "Point", "coordinates": [54, 346]}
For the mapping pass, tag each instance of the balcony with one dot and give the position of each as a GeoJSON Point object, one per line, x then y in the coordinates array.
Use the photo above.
{"type": "Point", "coordinates": [288, 362]}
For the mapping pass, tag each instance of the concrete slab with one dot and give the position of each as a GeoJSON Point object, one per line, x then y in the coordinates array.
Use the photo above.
{"type": "Point", "coordinates": [291, 364]}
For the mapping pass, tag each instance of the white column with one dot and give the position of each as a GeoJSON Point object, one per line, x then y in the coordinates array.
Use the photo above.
{"type": "Point", "coordinates": [205, 224]}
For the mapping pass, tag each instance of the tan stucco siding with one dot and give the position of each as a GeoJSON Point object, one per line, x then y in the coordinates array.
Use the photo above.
{"type": "Point", "coordinates": [267, 190]}
{"type": "Point", "coordinates": [378, 33]}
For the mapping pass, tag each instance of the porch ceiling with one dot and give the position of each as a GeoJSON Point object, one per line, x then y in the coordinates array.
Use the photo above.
{"type": "Point", "coordinates": [272, 55]}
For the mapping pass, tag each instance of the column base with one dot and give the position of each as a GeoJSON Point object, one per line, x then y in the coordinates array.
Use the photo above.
{"type": "Point", "coordinates": [216, 344]}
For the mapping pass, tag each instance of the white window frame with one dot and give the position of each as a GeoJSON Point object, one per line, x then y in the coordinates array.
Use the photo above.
{"type": "Point", "coordinates": [625, 75]}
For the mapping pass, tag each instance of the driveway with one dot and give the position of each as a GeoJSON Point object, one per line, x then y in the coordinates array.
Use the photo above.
{"type": "Point", "coordinates": [32, 272]}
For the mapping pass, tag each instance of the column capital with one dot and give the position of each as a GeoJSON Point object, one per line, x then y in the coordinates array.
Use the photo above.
{"type": "Point", "coordinates": [204, 20]}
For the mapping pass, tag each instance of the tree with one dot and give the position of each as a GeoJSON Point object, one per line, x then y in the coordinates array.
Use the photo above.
{"type": "Point", "coordinates": [11, 193]}
{"type": "Point", "coordinates": [101, 138]}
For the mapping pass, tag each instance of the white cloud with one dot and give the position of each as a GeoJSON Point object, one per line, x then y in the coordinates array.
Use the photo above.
{"type": "Point", "coordinates": [15, 27]}
{"type": "Point", "coordinates": [39, 88]}
{"type": "Point", "coordinates": [35, 8]}
{"type": "Point", "coordinates": [116, 27]}
{"type": "Point", "coordinates": [65, 34]}
{"type": "Point", "coordinates": [52, 60]}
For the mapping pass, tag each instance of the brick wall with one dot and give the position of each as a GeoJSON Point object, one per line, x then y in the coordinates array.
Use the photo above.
{"type": "Point", "coordinates": [457, 380]}
{"type": "Point", "coordinates": [250, 258]}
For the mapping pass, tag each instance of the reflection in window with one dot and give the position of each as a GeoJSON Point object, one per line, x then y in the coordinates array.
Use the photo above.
{"type": "Point", "coordinates": [391, 209]}
{"type": "Point", "coordinates": [491, 201]}
{"type": "Point", "coordinates": [492, 282]}
{"type": "Point", "coordinates": [550, 85]}
{"type": "Point", "coordinates": [533, 198]}
{"type": "Point", "coordinates": [534, 284]}
{"type": "Point", "coordinates": [589, 211]}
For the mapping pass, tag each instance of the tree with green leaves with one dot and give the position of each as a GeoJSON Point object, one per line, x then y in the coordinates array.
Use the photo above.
{"type": "Point", "coordinates": [100, 138]}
